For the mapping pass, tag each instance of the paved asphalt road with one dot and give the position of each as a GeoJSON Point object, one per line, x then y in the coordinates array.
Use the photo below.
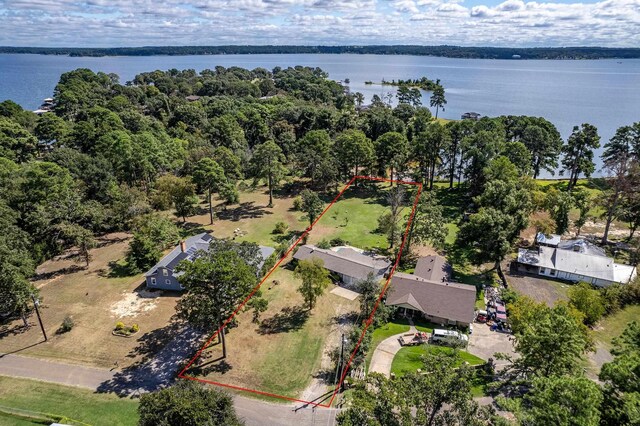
{"type": "Point", "coordinates": [253, 411]}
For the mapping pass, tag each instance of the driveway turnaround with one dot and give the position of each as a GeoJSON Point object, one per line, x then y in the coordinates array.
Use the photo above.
{"type": "Point", "coordinates": [382, 357]}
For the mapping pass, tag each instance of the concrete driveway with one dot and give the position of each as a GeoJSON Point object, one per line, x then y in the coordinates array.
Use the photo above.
{"type": "Point", "coordinates": [484, 343]}
{"type": "Point", "coordinates": [382, 357]}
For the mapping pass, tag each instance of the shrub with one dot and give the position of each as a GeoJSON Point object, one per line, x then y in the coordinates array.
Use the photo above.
{"type": "Point", "coordinates": [324, 244]}
{"type": "Point", "coordinates": [67, 325]}
{"type": "Point", "coordinates": [338, 242]}
{"type": "Point", "coordinates": [119, 326]}
{"type": "Point", "coordinates": [280, 228]}
{"type": "Point", "coordinates": [297, 203]}
{"type": "Point", "coordinates": [135, 328]}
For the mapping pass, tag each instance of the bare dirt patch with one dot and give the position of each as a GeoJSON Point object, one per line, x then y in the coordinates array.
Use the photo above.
{"type": "Point", "coordinates": [538, 289]}
{"type": "Point", "coordinates": [135, 303]}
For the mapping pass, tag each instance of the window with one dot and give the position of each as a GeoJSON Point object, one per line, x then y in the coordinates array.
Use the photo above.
{"type": "Point", "coordinates": [165, 272]}
{"type": "Point", "coordinates": [167, 282]}
{"type": "Point", "coordinates": [552, 272]}
{"type": "Point", "coordinates": [153, 281]}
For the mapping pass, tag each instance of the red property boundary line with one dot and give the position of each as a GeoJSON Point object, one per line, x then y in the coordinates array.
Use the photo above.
{"type": "Point", "coordinates": [368, 322]}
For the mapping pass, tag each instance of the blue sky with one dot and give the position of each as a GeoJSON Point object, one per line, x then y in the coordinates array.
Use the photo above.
{"type": "Point", "coordinates": [113, 23]}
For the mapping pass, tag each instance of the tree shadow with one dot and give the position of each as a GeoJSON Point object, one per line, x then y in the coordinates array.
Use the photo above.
{"type": "Point", "coordinates": [247, 210]}
{"type": "Point", "coordinates": [163, 353]}
{"type": "Point", "coordinates": [116, 270]}
{"type": "Point", "coordinates": [288, 319]}
{"type": "Point", "coordinates": [107, 241]}
{"type": "Point", "coordinates": [52, 274]}
{"type": "Point", "coordinates": [203, 366]}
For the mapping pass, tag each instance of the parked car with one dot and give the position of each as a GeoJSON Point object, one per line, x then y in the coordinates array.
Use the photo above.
{"type": "Point", "coordinates": [449, 337]}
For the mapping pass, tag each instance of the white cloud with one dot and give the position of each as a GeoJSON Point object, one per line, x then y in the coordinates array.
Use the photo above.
{"type": "Point", "coordinates": [202, 22]}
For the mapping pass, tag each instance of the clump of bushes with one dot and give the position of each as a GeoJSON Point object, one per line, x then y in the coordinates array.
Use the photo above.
{"type": "Point", "coordinates": [122, 329]}
{"type": "Point", "coordinates": [336, 242]}
{"type": "Point", "coordinates": [67, 325]}
{"type": "Point", "coordinates": [324, 244]}
{"type": "Point", "coordinates": [280, 228]}
{"type": "Point", "coordinates": [297, 204]}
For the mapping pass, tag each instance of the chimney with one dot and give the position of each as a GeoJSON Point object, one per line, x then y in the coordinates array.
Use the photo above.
{"type": "Point", "coordinates": [183, 246]}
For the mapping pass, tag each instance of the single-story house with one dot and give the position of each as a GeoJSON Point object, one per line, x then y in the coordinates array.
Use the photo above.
{"type": "Point", "coordinates": [429, 292]}
{"type": "Point", "coordinates": [163, 275]}
{"type": "Point", "coordinates": [350, 264]}
{"type": "Point", "coordinates": [575, 260]}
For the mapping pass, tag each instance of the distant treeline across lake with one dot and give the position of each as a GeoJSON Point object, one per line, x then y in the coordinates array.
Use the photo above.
{"type": "Point", "coordinates": [444, 51]}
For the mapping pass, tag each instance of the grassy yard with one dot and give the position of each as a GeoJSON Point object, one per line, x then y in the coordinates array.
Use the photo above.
{"type": "Point", "coordinates": [410, 358]}
{"type": "Point", "coordinates": [95, 298]}
{"type": "Point", "coordinates": [282, 353]}
{"type": "Point", "coordinates": [396, 326]}
{"type": "Point", "coordinates": [75, 403]}
{"type": "Point", "coordinates": [613, 325]}
{"type": "Point", "coordinates": [252, 217]}
{"type": "Point", "coordinates": [354, 218]}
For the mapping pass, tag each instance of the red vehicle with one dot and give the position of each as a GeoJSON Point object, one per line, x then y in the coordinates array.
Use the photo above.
{"type": "Point", "coordinates": [482, 316]}
{"type": "Point", "coordinates": [413, 339]}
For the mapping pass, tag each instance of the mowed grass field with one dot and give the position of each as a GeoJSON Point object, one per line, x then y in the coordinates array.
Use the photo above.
{"type": "Point", "coordinates": [282, 353]}
{"type": "Point", "coordinates": [75, 403]}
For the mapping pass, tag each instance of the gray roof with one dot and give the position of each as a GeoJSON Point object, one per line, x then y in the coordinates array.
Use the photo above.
{"type": "Point", "coordinates": [575, 262]}
{"type": "Point", "coordinates": [193, 245]}
{"type": "Point", "coordinates": [550, 240]}
{"type": "Point", "coordinates": [433, 268]}
{"type": "Point", "coordinates": [446, 300]}
{"type": "Point", "coordinates": [345, 261]}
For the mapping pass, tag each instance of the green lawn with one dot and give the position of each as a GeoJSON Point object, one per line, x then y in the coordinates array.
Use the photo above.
{"type": "Point", "coordinates": [613, 325]}
{"type": "Point", "coordinates": [77, 404]}
{"type": "Point", "coordinates": [480, 304]}
{"type": "Point", "coordinates": [410, 358]}
{"type": "Point", "coordinates": [354, 219]}
{"type": "Point", "coordinates": [396, 326]}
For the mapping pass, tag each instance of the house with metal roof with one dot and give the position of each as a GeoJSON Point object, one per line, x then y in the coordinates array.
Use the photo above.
{"type": "Point", "coordinates": [163, 275]}
{"type": "Point", "coordinates": [430, 293]}
{"type": "Point", "coordinates": [575, 261]}
{"type": "Point", "coordinates": [350, 264]}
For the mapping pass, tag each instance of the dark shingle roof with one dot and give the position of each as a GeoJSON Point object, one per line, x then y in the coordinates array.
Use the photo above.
{"type": "Point", "coordinates": [446, 300]}
{"type": "Point", "coordinates": [433, 268]}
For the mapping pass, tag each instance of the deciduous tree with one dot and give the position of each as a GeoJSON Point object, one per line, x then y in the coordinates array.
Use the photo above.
{"type": "Point", "coordinates": [187, 403]}
{"type": "Point", "coordinates": [578, 152]}
{"type": "Point", "coordinates": [315, 279]}
{"type": "Point", "coordinates": [268, 162]}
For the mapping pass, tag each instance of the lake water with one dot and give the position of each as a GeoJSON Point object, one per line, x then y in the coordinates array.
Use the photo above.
{"type": "Point", "coordinates": [605, 93]}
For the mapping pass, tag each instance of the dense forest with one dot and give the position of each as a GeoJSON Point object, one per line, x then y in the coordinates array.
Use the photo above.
{"type": "Point", "coordinates": [109, 154]}
{"type": "Point", "coordinates": [121, 157]}
{"type": "Point", "coordinates": [445, 51]}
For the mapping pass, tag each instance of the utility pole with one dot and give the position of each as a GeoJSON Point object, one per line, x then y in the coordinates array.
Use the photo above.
{"type": "Point", "coordinates": [342, 358]}
{"type": "Point", "coordinates": [36, 303]}
{"type": "Point", "coordinates": [338, 367]}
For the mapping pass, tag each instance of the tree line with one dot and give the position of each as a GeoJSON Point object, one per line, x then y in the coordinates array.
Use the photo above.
{"type": "Point", "coordinates": [585, 52]}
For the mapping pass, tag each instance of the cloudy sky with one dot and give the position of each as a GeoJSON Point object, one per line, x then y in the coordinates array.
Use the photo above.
{"type": "Point", "coordinates": [113, 23]}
